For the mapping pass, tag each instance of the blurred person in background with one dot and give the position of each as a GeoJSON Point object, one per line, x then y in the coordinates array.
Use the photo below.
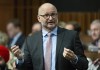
{"type": "Point", "coordinates": [62, 24]}
{"type": "Point", "coordinates": [3, 42]}
{"type": "Point", "coordinates": [16, 37]}
{"type": "Point", "coordinates": [73, 25]}
{"type": "Point", "coordinates": [95, 32]}
{"type": "Point", "coordinates": [69, 26]}
{"type": "Point", "coordinates": [35, 27]}
{"type": "Point", "coordinates": [95, 45]}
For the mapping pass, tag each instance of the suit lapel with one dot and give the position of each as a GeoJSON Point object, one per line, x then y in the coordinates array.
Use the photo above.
{"type": "Point", "coordinates": [40, 48]}
{"type": "Point", "coordinates": [60, 35]}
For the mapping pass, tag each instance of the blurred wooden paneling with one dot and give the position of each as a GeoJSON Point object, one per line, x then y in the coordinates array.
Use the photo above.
{"type": "Point", "coordinates": [84, 18]}
{"type": "Point", "coordinates": [26, 11]}
{"type": "Point", "coordinates": [6, 12]}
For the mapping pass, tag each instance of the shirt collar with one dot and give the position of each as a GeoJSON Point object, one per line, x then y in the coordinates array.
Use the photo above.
{"type": "Point", "coordinates": [16, 36]}
{"type": "Point", "coordinates": [54, 31]}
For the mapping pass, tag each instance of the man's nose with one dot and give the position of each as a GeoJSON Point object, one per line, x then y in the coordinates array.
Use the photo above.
{"type": "Point", "coordinates": [50, 17]}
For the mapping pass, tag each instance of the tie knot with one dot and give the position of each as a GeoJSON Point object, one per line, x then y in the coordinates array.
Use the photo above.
{"type": "Point", "coordinates": [49, 34]}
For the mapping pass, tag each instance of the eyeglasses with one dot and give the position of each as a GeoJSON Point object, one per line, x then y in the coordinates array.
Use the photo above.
{"type": "Point", "coordinates": [46, 16]}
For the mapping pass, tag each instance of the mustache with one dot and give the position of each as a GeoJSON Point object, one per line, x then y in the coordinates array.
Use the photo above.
{"type": "Point", "coordinates": [50, 21]}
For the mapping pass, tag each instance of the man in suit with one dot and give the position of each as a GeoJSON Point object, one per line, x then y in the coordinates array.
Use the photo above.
{"type": "Point", "coordinates": [15, 33]}
{"type": "Point", "coordinates": [52, 48]}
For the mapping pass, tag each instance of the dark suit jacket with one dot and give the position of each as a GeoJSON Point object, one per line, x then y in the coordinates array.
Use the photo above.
{"type": "Point", "coordinates": [19, 42]}
{"type": "Point", "coordinates": [33, 49]}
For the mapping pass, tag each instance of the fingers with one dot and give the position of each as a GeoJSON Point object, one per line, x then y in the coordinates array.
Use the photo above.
{"type": "Point", "coordinates": [13, 46]}
{"type": "Point", "coordinates": [15, 49]}
{"type": "Point", "coordinates": [68, 54]}
{"type": "Point", "coordinates": [68, 50]}
{"type": "Point", "coordinates": [16, 52]}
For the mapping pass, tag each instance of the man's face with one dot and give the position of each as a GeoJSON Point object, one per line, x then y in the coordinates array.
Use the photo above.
{"type": "Point", "coordinates": [11, 30]}
{"type": "Point", "coordinates": [95, 31]}
{"type": "Point", "coordinates": [48, 17]}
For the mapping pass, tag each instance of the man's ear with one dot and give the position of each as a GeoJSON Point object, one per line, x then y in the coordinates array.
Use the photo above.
{"type": "Point", "coordinates": [38, 17]}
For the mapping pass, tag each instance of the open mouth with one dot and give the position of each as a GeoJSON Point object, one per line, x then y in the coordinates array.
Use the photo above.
{"type": "Point", "coordinates": [50, 22]}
